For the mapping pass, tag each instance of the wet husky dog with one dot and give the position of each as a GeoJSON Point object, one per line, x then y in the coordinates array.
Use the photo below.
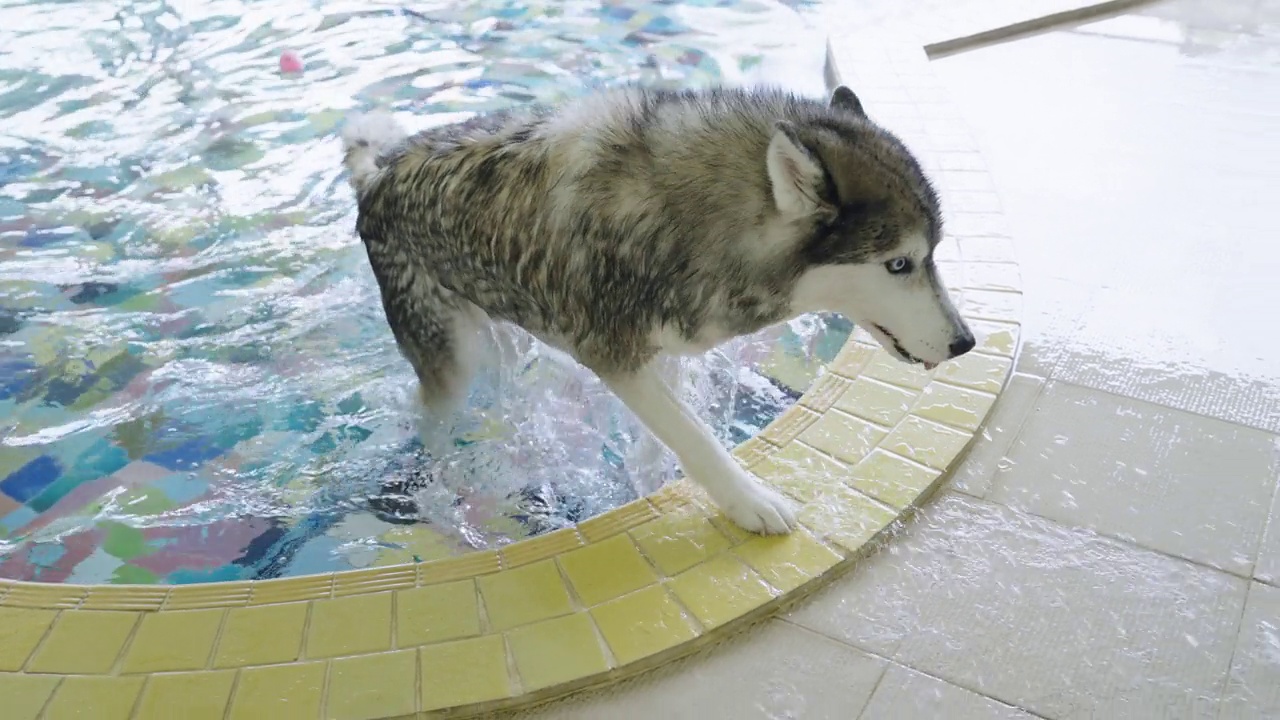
{"type": "Point", "coordinates": [637, 223]}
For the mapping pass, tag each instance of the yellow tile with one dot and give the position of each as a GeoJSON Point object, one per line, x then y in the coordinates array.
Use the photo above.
{"type": "Point", "coordinates": [885, 368]}
{"type": "Point", "coordinates": [721, 589]}
{"type": "Point", "coordinates": [683, 495]}
{"type": "Point", "coordinates": [954, 406]}
{"type": "Point", "coordinates": [173, 640]}
{"type": "Point", "coordinates": [541, 547]}
{"type": "Point", "coordinates": [801, 472]}
{"type": "Point", "coordinates": [604, 570]}
{"type": "Point", "coordinates": [84, 641]}
{"type": "Point", "coordinates": [467, 565]}
{"type": "Point", "coordinates": [785, 428]}
{"type": "Point", "coordinates": [371, 580]}
{"type": "Point", "coordinates": [679, 540]}
{"type": "Point", "coordinates": [846, 517]}
{"type": "Point", "coordinates": [618, 520]}
{"type": "Point", "coordinates": [261, 635]}
{"type": "Point", "coordinates": [752, 450]}
{"type": "Point", "coordinates": [436, 613]}
{"type": "Point", "coordinates": [279, 692]}
{"type": "Point", "coordinates": [124, 597]}
{"type": "Point", "coordinates": [48, 596]}
{"type": "Point", "coordinates": [557, 651]}
{"type": "Point", "coordinates": [20, 632]}
{"type": "Point", "coordinates": [852, 359]}
{"type": "Point", "coordinates": [350, 625]}
{"type": "Point", "coordinates": [189, 696]}
{"type": "Point", "coordinates": [294, 589]}
{"type": "Point", "coordinates": [996, 338]}
{"type": "Point", "coordinates": [464, 672]}
{"type": "Point", "coordinates": [823, 393]}
{"type": "Point", "coordinates": [980, 372]}
{"type": "Point", "coordinates": [643, 623]}
{"type": "Point", "coordinates": [220, 594]}
{"type": "Point", "coordinates": [788, 561]}
{"type": "Point", "coordinates": [94, 698]}
{"type": "Point", "coordinates": [25, 695]}
{"type": "Point", "coordinates": [843, 436]}
{"type": "Point", "coordinates": [927, 442]}
{"type": "Point", "coordinates": [992, 305]}
{"type": "Point", "coordinates": [892, 480]}
{"type": "Point", "coordinates": [876, 401]}
{"type": "Point", "coordinates": [372, 686]}
{"type": "Point", "coordinates": [524, 595]}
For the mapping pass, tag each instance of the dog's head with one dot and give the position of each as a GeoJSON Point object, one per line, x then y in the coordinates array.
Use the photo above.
{"type": "Point", "coordinates": [868, 223]}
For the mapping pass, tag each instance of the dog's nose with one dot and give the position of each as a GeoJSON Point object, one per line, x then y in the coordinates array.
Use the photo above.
{"type": "Point", "coordinates": [962, 345]}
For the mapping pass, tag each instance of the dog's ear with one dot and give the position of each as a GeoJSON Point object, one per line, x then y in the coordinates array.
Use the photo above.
{"type": "Point", "coordinates": [844, 99]}
{"type": "Point", "coordinates": [795, 173]}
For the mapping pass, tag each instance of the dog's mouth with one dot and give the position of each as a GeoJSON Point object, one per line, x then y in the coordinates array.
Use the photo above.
{"type": "Point", "coordinates": [902, 352]}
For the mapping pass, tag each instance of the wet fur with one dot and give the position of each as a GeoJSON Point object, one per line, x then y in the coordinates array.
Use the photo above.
{"type": "Point", "coordinates": [631, 224]}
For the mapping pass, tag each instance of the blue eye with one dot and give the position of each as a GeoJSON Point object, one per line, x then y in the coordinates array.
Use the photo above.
{"type": "Point", "coordinates": [899, 266]}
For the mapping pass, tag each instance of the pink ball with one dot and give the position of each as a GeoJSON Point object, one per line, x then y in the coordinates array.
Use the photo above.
{"type": "Point", "coordinates": [290, 62]}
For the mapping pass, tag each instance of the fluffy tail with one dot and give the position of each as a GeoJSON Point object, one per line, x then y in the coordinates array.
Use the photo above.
{"type": "Point", "coordinates": [364, 138]}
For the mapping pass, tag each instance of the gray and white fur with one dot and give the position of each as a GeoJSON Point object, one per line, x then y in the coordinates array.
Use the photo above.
{"type": "Point", "coordinates": [638, 223]}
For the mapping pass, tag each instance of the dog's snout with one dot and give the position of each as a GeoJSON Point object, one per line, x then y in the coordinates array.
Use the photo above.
{"type": "Point", "coordinates": [962, 344]}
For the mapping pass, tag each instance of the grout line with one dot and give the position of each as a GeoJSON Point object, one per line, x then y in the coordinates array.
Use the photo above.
{"type": "Point", "coordinates": [217, 639]}
{"type": "Point", "coordinates": [231, 696]}
{"type": "Point", "coordinates": [304, 644]}
{"type": "Point", "coordinates": [118, 666]}
{"type": "Point", "coordinates": [44, 709]}
{"type": "Point", "coordinates": [142, 692]}
{"type": "Point", "coordinates": [893, 662]}
{"type": "Point", "coordinates": [417, 681]}
{"type": "Point", "coordinates": [26, 666]}
{"type": "Point", "coordinates": [324, 687]}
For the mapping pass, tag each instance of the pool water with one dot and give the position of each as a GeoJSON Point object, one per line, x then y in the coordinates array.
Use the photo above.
{"type": "Point", "coordinates": [196, 379]}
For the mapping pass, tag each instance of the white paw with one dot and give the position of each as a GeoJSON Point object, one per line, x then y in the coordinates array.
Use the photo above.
{"type": "Point", "coordinates": [757, 509]}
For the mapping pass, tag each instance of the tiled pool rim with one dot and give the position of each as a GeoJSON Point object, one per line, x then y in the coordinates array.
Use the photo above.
{"type": "Point", "coordinates": [618, 594]}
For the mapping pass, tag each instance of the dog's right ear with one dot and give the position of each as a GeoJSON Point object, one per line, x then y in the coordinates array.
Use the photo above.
{"type": "Point", "coordinates": [844, 99]}
{"type": "Point", "coordinates": [795, 173]}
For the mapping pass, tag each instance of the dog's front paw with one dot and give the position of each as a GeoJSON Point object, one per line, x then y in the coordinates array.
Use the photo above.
{"type": "Point", "coordinates": [757, 509]}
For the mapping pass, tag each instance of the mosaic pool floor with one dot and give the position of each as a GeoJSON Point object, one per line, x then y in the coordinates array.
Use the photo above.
{"type": "Point", "coordinates": [196, 381]}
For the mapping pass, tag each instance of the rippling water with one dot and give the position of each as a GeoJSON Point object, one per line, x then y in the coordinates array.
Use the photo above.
{"type": "Point", "coordinates": [196, 380]}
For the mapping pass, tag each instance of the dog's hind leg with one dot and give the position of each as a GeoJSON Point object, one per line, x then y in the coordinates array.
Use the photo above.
{"type": "Point", "coordinates": [748, 503]}
{"type": "Point", "coordinates": [444, 352]}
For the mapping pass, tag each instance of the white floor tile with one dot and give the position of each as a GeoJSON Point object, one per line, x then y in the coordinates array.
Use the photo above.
{"type": "Point", "coordinates": [905, 694]}
{"type": "Point", "coordinates": [1268, 567]}
{"type": "Point", "coordinates": [1253, 690]}
{"type": "Point", "coordinates": [1184, 484]}
{"type": "Point", "coordinates": [976, 470]}
{"type": "Point", "coordinates": [774, 671]}
{"type": "Point", "coordinates": [1055, 620]}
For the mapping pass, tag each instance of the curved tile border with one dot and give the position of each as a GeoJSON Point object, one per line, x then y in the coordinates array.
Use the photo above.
{"type": "Point", "coordinates": [618, 594]}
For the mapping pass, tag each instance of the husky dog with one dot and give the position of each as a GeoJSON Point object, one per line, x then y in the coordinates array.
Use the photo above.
{"type": "Point", "coordinates": [635, 224]}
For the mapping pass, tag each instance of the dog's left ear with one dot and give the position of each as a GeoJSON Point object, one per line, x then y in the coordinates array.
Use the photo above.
{"type": "Point", "coordinates": [844, 99]}
{"type": "Point", "coordinates": [795, 172]}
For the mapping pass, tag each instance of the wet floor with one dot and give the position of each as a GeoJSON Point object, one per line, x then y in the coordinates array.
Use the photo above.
{"type": "Point", "coordinates": [1138, 159]}
{"type": "Point", "coordinates": [1111, 547]}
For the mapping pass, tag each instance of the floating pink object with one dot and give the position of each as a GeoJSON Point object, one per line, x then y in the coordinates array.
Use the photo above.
{"type": "Point", "coordinates": [290, 62]}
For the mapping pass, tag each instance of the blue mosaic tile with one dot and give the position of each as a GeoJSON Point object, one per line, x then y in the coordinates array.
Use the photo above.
{"type": "Point", "coordinates": [29, 480]}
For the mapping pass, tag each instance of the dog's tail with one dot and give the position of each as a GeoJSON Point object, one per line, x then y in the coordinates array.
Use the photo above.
{"type": "Point", "coordinates": [364, 139]}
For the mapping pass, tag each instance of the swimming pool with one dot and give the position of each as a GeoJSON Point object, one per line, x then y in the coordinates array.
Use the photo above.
{"type": "Point", "coordinates": [196, 381]}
